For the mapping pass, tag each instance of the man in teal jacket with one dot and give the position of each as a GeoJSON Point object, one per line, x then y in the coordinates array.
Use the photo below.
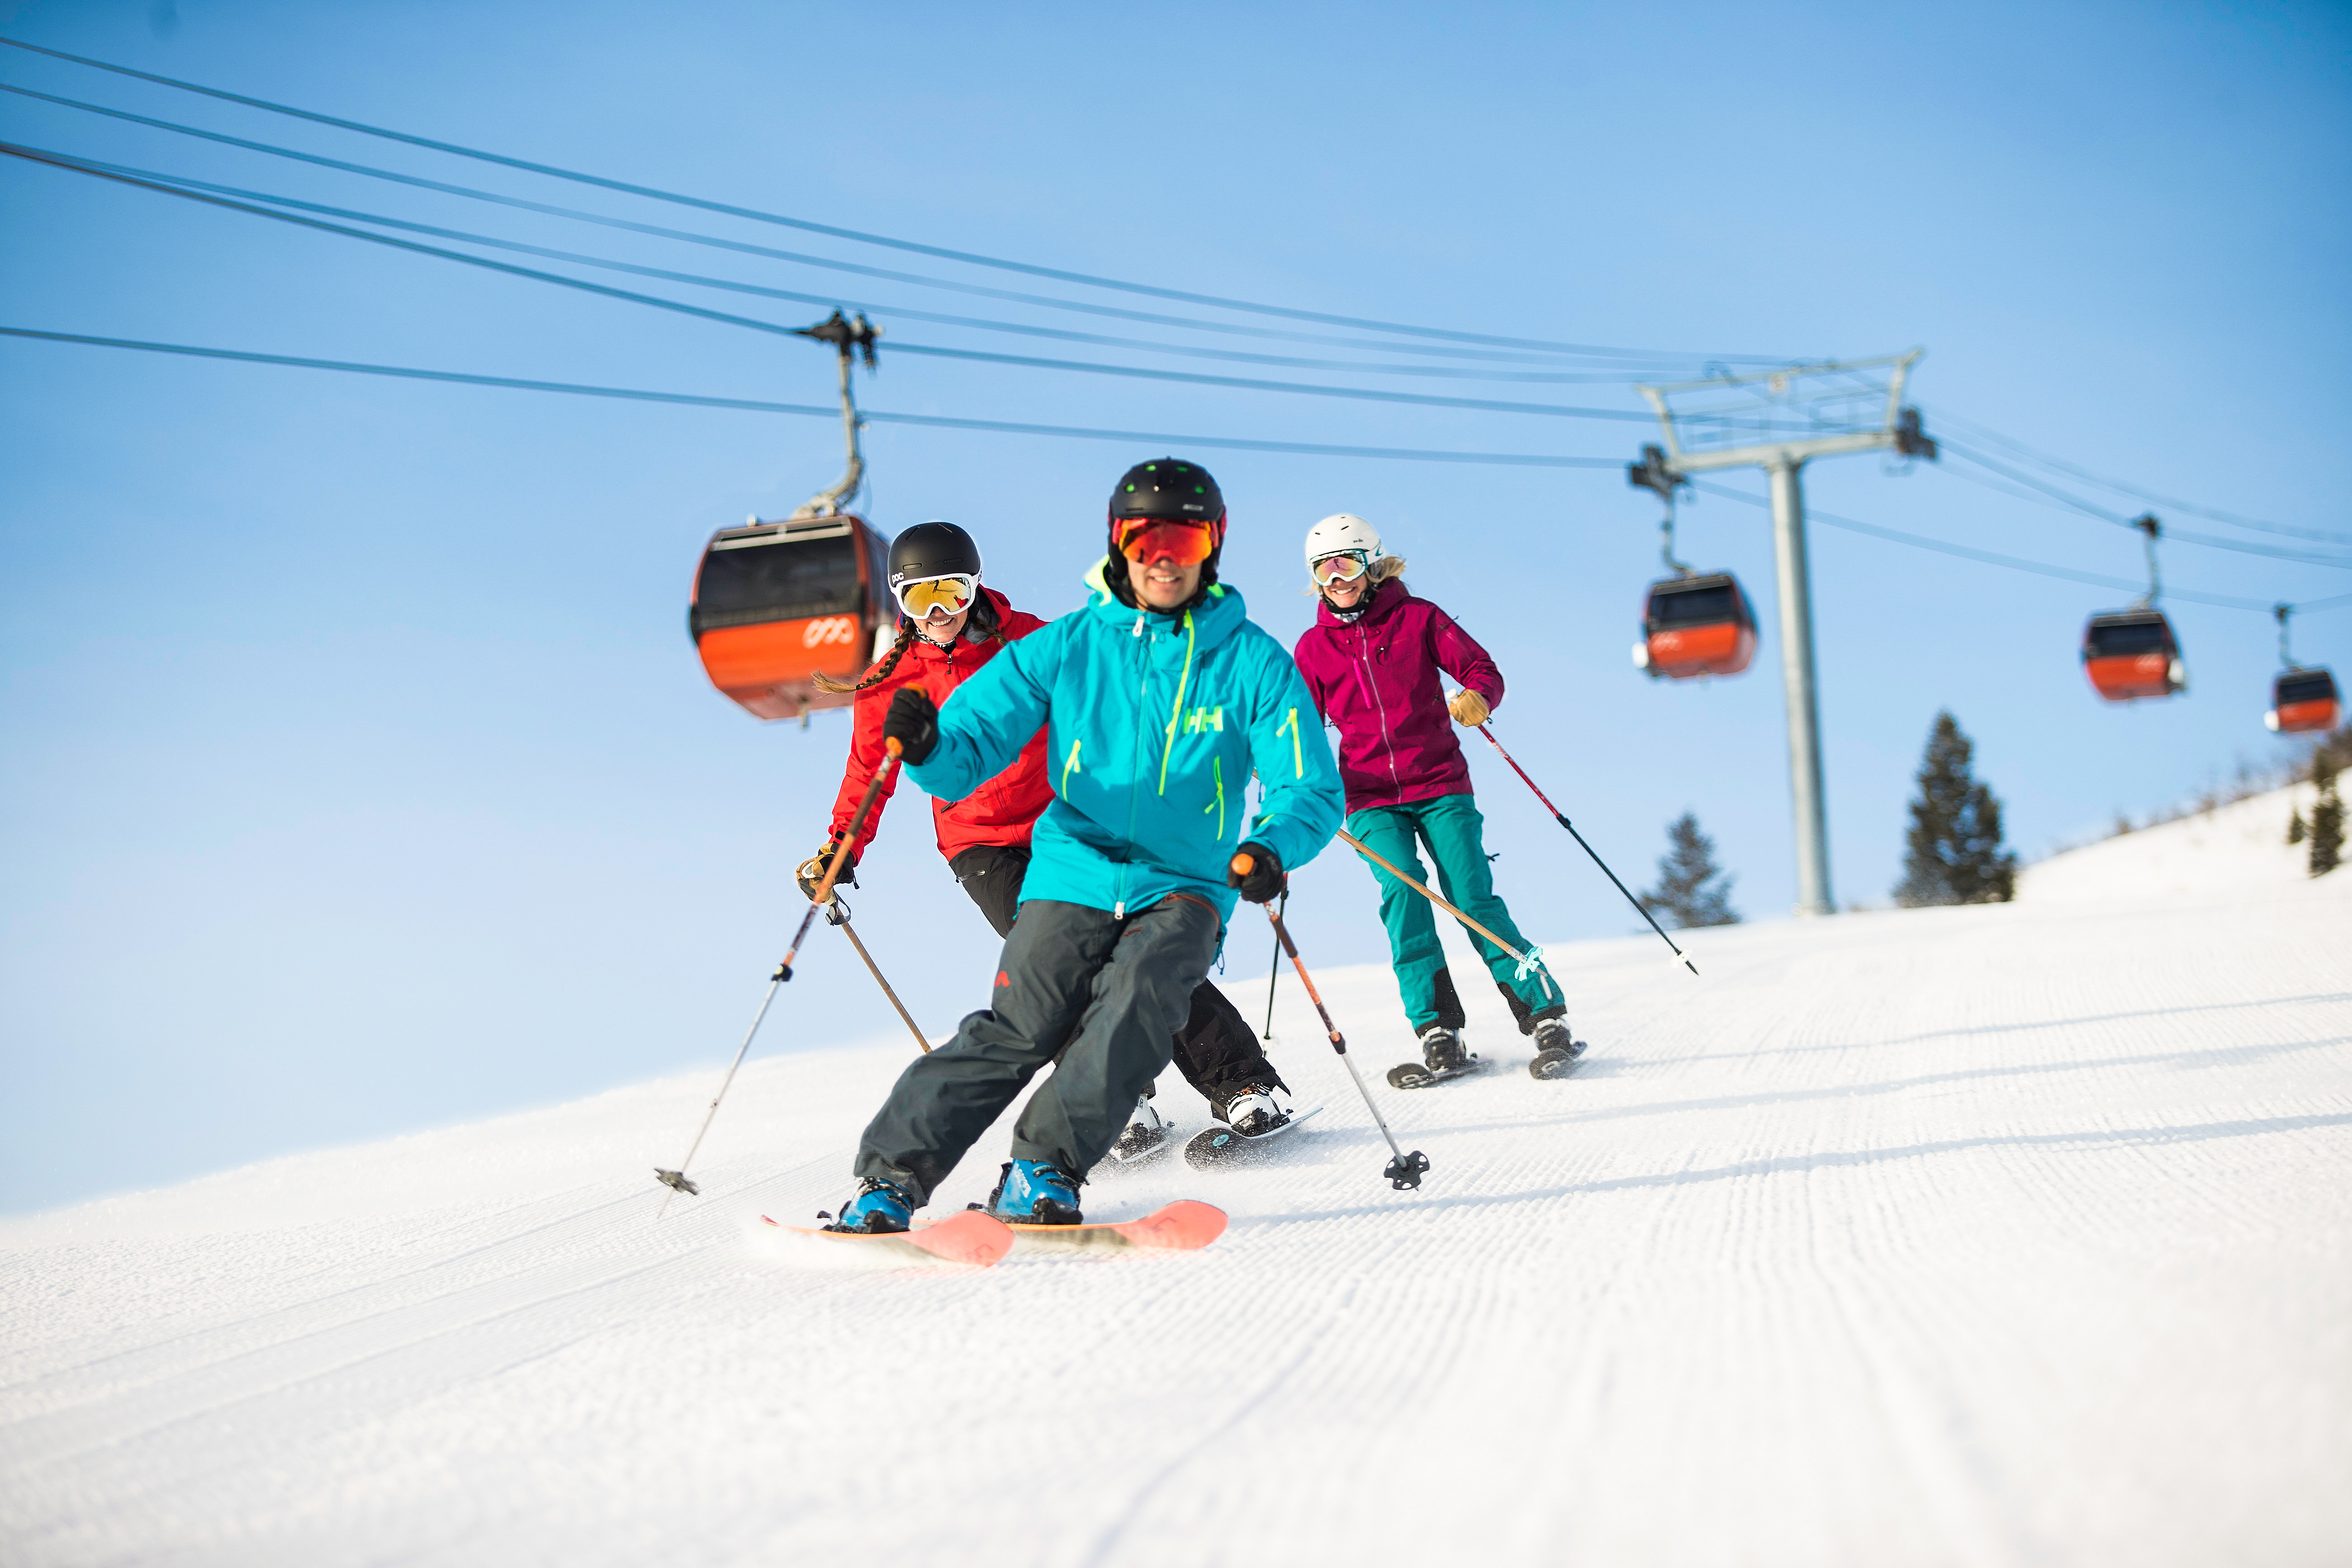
{"type": "Point", "coordinates": [1161, 697]}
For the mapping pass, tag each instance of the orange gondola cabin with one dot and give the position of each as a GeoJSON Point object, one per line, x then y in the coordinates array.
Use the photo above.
{"type": "Point", "coordinates": [1696, 626]}
{"type": "Point", "coordinates": [778, 603]}
{"type": "Point", "coordinates": [2303, 699]}
{"type": "Point", "coordinates": [2132, 654]}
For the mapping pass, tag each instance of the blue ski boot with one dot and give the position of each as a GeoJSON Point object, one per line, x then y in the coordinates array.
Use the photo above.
{"type": "Point", "coordinates": [878, 1209]}
{"type": "Point", "coordinates": [1034, 1192]}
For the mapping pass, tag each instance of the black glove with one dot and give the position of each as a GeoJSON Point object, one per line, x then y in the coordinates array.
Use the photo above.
{"type": "Point", "coordinates": [1264, 879]}
{"type": "Point", "coordinates": [913, 721]}
{"type": "Point", "coordinates": [812, 870]}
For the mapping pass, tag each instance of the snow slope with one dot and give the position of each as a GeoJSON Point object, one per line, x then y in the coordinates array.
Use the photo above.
{"type": "Point", "coordinates": [2003, 1234]}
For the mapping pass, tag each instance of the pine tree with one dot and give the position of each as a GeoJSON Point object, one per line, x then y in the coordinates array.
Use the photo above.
{"type": "Point", "coordinates": [2294, 828]}
{"type": "Point", "coordinates": [2327, 814]}
{"type": "Point", "coordinates": [1682, 895]}
{"type": "Point", "coordinates": [1953, 845]}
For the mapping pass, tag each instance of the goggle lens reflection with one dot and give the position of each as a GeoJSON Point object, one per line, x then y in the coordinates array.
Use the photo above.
{"type": "Point", "coordinates": [1342, 568]}
{"type": "Point", "coordinates": [1147, 539]}
{"type": "Point", "coordinates": [950, 596]}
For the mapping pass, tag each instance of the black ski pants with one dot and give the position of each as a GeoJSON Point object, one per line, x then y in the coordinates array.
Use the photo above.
{"type": "Point", "coordinates": [1102, 994]}
{"type": "Point", "coordinates": [1216, 1050]}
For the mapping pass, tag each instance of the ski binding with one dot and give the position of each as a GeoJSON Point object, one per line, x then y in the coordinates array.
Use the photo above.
{"type": "Point", "coordinates": [1219, 1144]}
{"type": "Point", "coordinates": [1417, 1075]}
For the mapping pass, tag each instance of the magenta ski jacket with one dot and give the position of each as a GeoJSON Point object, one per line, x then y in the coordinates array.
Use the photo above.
{"type": "Point", "coordinates": [1375, 682]}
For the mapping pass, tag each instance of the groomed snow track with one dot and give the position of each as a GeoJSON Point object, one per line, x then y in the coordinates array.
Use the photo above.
{"type": "Point", "coordinates": [2010, 1235]}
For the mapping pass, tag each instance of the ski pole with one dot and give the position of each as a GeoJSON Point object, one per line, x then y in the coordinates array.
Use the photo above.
{"type": "Point", "coordinates": [675, 1180]}
{"type": "Point", "coordinates": [839, 915]}
{"type": "Point", "coordinates": [1562, 817]}
{"type": "Point", "coordinates": [1273, 976]}
{"type": "Point", "coordinates": [1527, 961]}
{"type": "Point", "coordinates": [1405, 1169]}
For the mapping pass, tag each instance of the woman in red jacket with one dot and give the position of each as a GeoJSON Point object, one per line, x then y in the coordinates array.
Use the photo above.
{"type": "Point", "coordinates": [948, 627]}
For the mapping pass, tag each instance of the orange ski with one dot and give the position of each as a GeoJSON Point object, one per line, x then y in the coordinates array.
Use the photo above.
{"type": "Point", "coordinates": [1184, 1226]}
{"type": "Point", "coordinates": [968, 1236]}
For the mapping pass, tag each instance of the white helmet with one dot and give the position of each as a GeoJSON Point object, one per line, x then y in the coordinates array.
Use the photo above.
{"type": "Point", "coordinates": [1337, 534]}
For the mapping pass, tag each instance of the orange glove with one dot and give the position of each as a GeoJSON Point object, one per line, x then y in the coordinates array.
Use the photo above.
{"type": "Point", "coordinates": [1469, 709]}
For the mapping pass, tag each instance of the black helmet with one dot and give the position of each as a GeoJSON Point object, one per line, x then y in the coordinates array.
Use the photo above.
{"type": "Point", "coordinates": [1169, 487]}
{"type": "Point", "coordinates": [932, 550]}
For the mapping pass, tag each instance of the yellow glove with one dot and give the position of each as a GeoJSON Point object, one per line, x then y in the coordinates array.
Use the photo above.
{"type": "Point", "coordinates": [1469, 709]}
{"type": "Point", "coordinates": [812, 870]}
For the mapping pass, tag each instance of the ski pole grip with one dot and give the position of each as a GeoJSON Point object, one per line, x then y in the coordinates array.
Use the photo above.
{"type": "Point", "coordinates": [1242, 865]}
{"type": "Point", "coordinates": [894, 745]}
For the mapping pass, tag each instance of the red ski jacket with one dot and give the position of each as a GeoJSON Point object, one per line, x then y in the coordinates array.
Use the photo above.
{"type": "Point", "coordinates": [1000, 811]}
{"type": "Point", "coordinates": [1375, 680]}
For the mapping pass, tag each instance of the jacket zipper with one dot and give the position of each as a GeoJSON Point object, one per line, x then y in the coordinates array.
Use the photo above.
{"type": "Point", "coordinates": [1217, 767]}
{"type": "Point", "coordinates": [1371, 680]}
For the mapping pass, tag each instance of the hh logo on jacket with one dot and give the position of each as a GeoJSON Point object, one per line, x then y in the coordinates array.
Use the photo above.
{"type": "Point", "coordinates": [1202, 720]}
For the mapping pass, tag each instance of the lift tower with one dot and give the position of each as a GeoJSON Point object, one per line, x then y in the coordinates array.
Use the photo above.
{"type": "Point", "coordinates": [1779, 421]}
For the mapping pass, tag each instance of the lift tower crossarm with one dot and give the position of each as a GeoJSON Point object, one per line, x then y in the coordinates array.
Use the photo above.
{"type": "Point", "coordinates": [1783, 458]}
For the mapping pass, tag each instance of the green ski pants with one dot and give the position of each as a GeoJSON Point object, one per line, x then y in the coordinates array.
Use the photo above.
{"type": "Point", "coordinates": [1452, 830]}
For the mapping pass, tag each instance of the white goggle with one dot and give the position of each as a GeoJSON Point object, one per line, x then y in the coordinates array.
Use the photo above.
{"type": "Point", "coordinates": [950, 596]}
{"type": "Point", "coordinates": [1344, 567]}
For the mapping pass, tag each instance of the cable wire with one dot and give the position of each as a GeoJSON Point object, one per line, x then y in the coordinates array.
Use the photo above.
{"type": "Point", "coordinates": [2122, 487]}
{"type": "Point", "coordinates": [2018, 563]}
{"type": "Point", "coordinates": [969, 257]}
{"type": "Point", "coordinates": [2075, 503]}
{"type": "Point", "coordinates": [1293, 388]}
{"type": "Point", "coordinates": [874, 416]}
{"type": "Point", "coordinates": [1188, 323]}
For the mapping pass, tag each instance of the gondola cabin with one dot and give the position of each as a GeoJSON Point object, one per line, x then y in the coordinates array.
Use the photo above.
{"type": "Point", "coordinates": [1696, 626]}
{"type": "Point", "coordinates": [777, 604]}
{"type": "Point", "coordinates": [2132, 654]}
{"type": "Point", "coordinates": [2303, 699]}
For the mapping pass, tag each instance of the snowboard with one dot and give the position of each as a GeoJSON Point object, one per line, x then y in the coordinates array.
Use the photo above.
{"type": "Point", "coordinates": [1219, 1144]}
{"type": "Point", "coordinates": [1184, 1226]}
{"type": "Point", "coordinates": [969, 1236]}
{"type": "Point", "coordinates": [1416, 1075]}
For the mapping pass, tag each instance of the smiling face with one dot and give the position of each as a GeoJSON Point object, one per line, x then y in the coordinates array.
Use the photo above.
{"type": "Point", "coordinates": [1162, 584]}
{"type": "Point", "coordinates": [1347, 593]}
{"type": "Point", "coordinates": [942, 628]}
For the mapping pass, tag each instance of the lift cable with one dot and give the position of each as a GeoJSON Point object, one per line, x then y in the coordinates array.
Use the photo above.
{"type": "Point", "coordinates": [1149, 437]}
{"type": "Point", "coordinates": [1492, 406]}
{"type": "Point", "coordinates": [2061, 465]}
{"type": "Point", "coordinates": [870, 306]}
{"type": "Point", "coordinates": [969, 257]}
{"type": "Point", "coordinates": [1190, 323]}
{"type": "Point", "coordinates": [868, 415]}
{"type": "Point", "coordinates": [2018, 563]}
{"type": "Point", "coordinates": [2074, 503]}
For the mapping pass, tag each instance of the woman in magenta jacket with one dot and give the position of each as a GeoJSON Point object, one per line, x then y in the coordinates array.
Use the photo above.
{"type": "Point", "coordinates": [1372, 660]}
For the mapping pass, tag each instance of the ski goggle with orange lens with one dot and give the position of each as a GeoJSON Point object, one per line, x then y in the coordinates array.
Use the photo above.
{"type": "Point", "coordinates": [1344, 567]}
{"type": "Point", "coordinates": [950, 596]}
{"type": "Point", "coordinates": [1145, 540]}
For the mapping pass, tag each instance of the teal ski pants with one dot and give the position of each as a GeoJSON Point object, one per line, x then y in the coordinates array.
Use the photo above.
{"type": "Point", "coordinates": [1453, 831]}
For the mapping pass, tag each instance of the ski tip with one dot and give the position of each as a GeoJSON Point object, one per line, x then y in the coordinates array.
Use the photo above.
{"type": "Point", "coordinates": [1185, 1225]}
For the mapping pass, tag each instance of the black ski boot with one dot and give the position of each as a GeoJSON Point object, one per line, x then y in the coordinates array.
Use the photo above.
{"type": "Point", "coordinates": [1557, 1052]}
{"type": "Point", "coordinates": [1443, 1050]}
{"type": "Point", "coordinates": [1251, 1110]}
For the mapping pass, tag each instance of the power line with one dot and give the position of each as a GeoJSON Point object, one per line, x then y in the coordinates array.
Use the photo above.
{"type": "Point", "coordinates": [969, 257]}
{"type": "Point", "coordinates": [1307, 389]}
{"type": "Point", "coordinates": [1188, 323]}
{"type": "Point", "coordinates": [877, 416]}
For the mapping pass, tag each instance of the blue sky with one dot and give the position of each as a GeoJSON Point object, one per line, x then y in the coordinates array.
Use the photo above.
{"type": "Point", "coordinates": [361, 775]}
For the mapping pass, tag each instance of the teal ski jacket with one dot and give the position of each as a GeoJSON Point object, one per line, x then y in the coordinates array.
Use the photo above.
{"type": "Point", "coordinates": [1154, 726]}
